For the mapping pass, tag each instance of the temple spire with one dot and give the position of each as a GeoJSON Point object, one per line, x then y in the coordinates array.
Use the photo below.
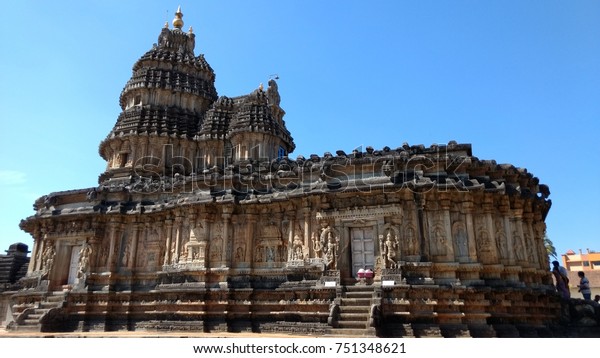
{"type": "Point", "coordinates": [178, 21]}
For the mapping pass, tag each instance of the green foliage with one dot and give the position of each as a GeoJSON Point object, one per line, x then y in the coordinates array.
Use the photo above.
{"type": "Point", "coordinates": [550, 249]}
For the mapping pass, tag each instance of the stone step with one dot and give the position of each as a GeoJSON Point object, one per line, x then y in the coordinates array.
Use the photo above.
{"type": "Point", "coordinates": [352, 324]}
{"type": "Point", "coordinates": [351, 332]}
{"type": "Point", "coordinates": [356, 302]}
{"type": "Point", "coordinates": [26, 328]}
{"type": "Point", "coordinates": [355, 309]}
{"type": "Point", "coordinates": [359, 294]}
{"type": "Point", "coordinates": [36, 315]}
{"type": "Point", "coordinates": [30, 321]}
{"type": "Point", "coordinates": [40, 311]}
{"type": "Point", "coordinates": [354, 316]}
{"type": "Point", "coordinates": [48, 304]}
{"type": "Point", "coordinates": [55, 298]}
{"type": "Point", "coordinates": [357, 288]}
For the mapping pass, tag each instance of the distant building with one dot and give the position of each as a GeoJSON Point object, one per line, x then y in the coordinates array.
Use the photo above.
{"type": "Point", "coordinates": [588, 262]}
{"type": "Point", "coordinates": [582, 261]}
{"type": "Point", "coordinates": [13, 265]}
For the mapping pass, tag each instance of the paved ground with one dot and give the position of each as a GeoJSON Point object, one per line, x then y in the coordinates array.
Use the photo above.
{"type": "Point", "coordinates": [144, 334]}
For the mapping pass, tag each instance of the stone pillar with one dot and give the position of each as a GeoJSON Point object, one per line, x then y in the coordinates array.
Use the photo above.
{"type": "Point", "coordinates": [528, 238]}
{"type": "Point", "coordinates": [226, 256]}
{"type": "Point", "coordinates": [488, 223]}
{"type": "Point", "coordinates": [468, 209]}
{"type": "Point", "coordinates": [178, 238]}
{"type": "Point", "coordinates": [206, 238]}
{"type": "Point", "coordinates": [169, 226]}
{"type": "Point", "coordinates": [113, 160]}
{"type": "Point", "coordinates": [490, 228]}
{"type": "Point", "coordinates": [143, 151]}
{"type": "Point", "coordinates": [424, 242]}
{"type": "Point", "coordinates": [42, 247]}
{"type": "Point", "coordinates": [539, 228]}
{"type": "Point", "coordinates": [37, 241]}
{"type": "Point", "coordinates": [291, 221]}
{"type": "Point", "coordinates": [512, 258]}
{"type": "Point", "coordinates": [134, 241]}
{"type": "Point", "coordinates": [493, 271]}
{"type": "Point", "coordinates": [307, 243]}
{"type": "Point", "coordinates": [114, 228]}
{"type": "Point", "coordinates": [520, 249]}
{"type": "Point", "coordinates": [445, 205]}
{"type": "Point", "coordinates": [133, 144]}
{"type": "Point", "coordinates": [251, 220]}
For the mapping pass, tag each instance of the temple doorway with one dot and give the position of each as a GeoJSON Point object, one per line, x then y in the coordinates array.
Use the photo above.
{"type": "Point", "coordinates": [74, 264]}
{"type": "Point", "coordinates": [363, 249]}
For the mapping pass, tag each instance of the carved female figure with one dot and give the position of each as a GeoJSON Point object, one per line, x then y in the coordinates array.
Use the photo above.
{"type": "Point", "coordinates": [388, 251]}
{"type": "Point", "coordinates": [331, 253]}
{"type": "Point", "coordinates": [84, 259]}
{"type": "Point", "coordinates": [48, 257]}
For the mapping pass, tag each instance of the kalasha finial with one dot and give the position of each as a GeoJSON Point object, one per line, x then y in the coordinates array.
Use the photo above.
{"type": "Point", "coordinates": [261, 87]}
{"type": "Point", "coordinates": [178, 21]}
{"type": "Point", "coordinates": [191, 30]}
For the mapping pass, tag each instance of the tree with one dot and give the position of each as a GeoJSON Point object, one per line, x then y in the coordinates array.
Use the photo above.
{"type": "Point", "coordinates": [550, 249]}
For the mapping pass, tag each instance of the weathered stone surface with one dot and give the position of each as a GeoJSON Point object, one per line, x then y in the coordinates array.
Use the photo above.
{"type": "Point", "coordinates": [201, 221]}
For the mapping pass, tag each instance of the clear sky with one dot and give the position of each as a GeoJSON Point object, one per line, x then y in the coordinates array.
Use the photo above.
{"type": "Point", "coordinates": [518, 80]}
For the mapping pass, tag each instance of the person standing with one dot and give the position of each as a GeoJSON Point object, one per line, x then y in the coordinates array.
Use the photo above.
{"type": "Point", "coordinates": [562, 280]}
{"type": "Point", "coordinates": [584, 286]}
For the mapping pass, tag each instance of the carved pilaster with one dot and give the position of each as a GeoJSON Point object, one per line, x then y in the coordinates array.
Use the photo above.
{"type": "Point", "coordinates": [37, 241]}
{"type": "Point", "coordinates": [169, 226]}
{"type": "Point", "coordinates": [468, 210]}
{"type": "Point", "coordinates": [113, 232]}
{"type": "Point", "coordinates": [178, 237]}
{"type": "Point", "coordinates": [307, 245]}
{"type": "Point", "coordinates": [134, 243]}
{"type": "Point", "coordinates": [290, 238]}
{"type": "Point", "coordinates": [251, 220]}
{"type": "Point", "coordinates": [424, 242]}
{"type": "Point", "coordinates": [445, 205]}
{"type": "Point", "coordinates": [226, 255]}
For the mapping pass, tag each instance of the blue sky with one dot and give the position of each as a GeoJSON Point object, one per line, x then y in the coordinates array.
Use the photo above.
{"type": "Point", "coordinates": [518, 80]}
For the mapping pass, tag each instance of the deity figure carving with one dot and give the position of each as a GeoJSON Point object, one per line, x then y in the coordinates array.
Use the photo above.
{"type": "Point", "coordinates": [518, 244]}
{"type": "Point", "coordinates": [84, 260]}
{"type": "Point", "coordinates": [215, 250]}
{"type": "Point", "coordinates": [329, 248]}
{"type": "Point", "coordinates": [500, 238]}
{"type": "Point", "coordinates": [316, 244]}
{"type": "Point", "coordinates": [439, 239]}
{"type": "Point", "coordinates": [411, 239]}
{"type": "Point", "coordinates": [125, 257]}
{"type": "Point", "coordinates": [183, 255]}
{"type": "Point", "coordinates": [48, 258]}
{"type": "Point", "coordinates": [388, 249]}
{"type": "Point", "coordinates": [484, 241]}
{"type": "Point", "coordinates": [297, 248]}
{"type": "Point", "coordinates": [529, 248]}
{"type": "Point", "coordinates": [269, 254]}
{"type": "Point", "coordinates": [459, 231]}
{"type": "Point", "coordinates": [240, 254]}
{"type": "Point", "coordinates": [259, 255]}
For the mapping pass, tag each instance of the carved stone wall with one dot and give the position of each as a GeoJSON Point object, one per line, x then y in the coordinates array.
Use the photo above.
{"type": "Point", "coordinates": [255, 232]}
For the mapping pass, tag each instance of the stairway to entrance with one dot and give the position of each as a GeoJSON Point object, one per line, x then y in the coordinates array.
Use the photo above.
{"type": "Point", "coordinates": [354, 313]}
{"type": "Point", "coordinates": [29, 319]}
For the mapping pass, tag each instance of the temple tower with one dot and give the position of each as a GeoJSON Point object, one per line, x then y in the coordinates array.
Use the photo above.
{"type": "Point", "coordinates": [162, 107]}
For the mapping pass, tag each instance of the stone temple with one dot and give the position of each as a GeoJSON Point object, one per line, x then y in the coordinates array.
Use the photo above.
{"type": "Point", "coordinates": [203, 222]}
